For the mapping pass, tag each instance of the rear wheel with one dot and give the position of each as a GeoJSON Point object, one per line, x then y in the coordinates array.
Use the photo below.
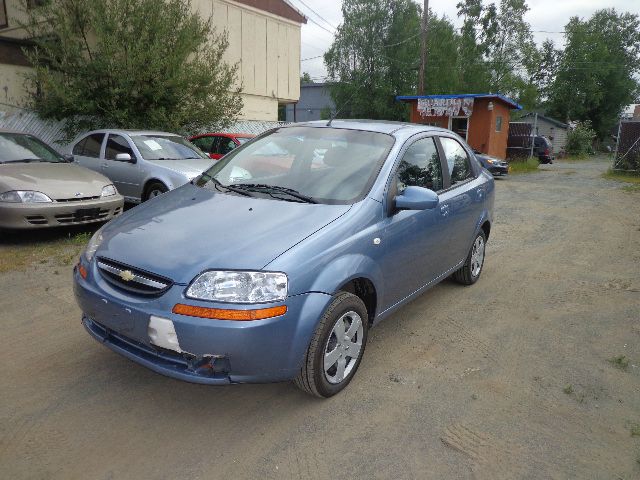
{"type": "Point", "coordinates": [154, 189]}
{"type": "Point", "coordinates": [336, 348]}
{"type": "Point", "coordinates": [472, 268]}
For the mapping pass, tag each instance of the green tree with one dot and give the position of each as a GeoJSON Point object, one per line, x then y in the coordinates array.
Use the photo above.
{"type": "Point", "coordinates": [443, 57]}
{"type": "Point", "coordinates": [130, 64]}
{"type": "Point", "coordinates": [597, 73]}
{"type": "Point", "coordinates": [305, 78]}
{"type": "Point", "coordinates": [374, 57]}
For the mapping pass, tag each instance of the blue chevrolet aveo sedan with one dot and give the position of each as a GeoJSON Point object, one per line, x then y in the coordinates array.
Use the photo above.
{"type": "Point", "coordinates": [274, 264]}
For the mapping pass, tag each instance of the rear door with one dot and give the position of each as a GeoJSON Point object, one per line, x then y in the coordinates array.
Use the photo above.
{"type": "Point", "coordinates": [87, 152]}
{"type": "Point", "coordinates": [126, 176]}
{"type": "Point", "coordinates": [461, 202]}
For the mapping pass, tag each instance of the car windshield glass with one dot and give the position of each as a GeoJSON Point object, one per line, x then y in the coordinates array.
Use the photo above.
{"type": "Point", "coordinates": [18, 147]}
{"type": "Point", "coordinates": [166, 147]}
{"type": "Point", "coordinates": [325, 165]}
{"type": "Point", "coordinates": [243, 140]}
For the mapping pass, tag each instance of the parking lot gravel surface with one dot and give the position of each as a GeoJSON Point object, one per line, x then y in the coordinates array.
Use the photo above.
{"type": "Point", "coordinates": [533, 372]}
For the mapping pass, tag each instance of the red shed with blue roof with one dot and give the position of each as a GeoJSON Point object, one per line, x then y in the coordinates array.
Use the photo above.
{"type": "Point", "coordinates": [480, 118]}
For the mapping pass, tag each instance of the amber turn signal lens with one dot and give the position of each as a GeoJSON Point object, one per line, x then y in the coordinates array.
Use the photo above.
{"type": "Point", "coordinates": [225, 314]}
{"type": "Point", "coordinates": [82, 271]}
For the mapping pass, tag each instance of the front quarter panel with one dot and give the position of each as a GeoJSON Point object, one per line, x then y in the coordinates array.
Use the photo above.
{"type": "Point", "coordinates": [322, 264]}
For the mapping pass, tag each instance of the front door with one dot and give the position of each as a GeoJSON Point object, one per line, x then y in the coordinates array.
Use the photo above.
{"type": "Point", "coordinates": [414, 239]}
{"type": "Point", "coordinates": [126, 176]}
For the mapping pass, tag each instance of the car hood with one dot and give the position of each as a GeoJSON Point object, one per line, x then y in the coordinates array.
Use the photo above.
{"type": "Point", "coordinates": [191, 229]}
{"type": "Point", "coordinates": [56, 180]}
{"type": "Point", "coordinates": [191, 167]}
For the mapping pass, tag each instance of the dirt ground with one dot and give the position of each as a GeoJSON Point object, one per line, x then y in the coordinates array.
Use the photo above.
{"type": "Point", "coordinates": [512, 378]}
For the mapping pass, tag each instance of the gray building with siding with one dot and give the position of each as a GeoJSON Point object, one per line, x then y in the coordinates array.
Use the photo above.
{"type": "Point", "coordinates": [314, 99]}
{"type": "Point", "coordinates": [551, 128]}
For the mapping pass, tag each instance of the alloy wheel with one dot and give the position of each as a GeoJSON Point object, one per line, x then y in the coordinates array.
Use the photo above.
{"type": "Point", "coordinates": [477, 256]}
{"type": "Point", "coordinates": [343, 347]}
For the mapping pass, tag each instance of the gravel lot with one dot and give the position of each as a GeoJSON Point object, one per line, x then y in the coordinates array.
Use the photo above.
{"type": "Point", "coordinates": [510, 378]}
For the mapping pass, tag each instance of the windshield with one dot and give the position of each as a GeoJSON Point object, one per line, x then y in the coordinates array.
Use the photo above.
{"type": "Point", "coordinates": [166, 147]}
{"type": "Point", "coordinates": [18, 147]}
{"type": "Point", "coordinates": [326, 165]}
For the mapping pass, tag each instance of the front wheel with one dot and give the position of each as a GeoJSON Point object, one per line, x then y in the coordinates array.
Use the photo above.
{"type": "Point", "coordinates": [336, 348]}
{"type": "Point", "coordinates": [472, 268]}
{"type": "Point", "coordinates": [154, 189]}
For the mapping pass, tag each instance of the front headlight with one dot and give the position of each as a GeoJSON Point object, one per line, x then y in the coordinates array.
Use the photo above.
{"type": "Point", "coordinates": [93, 245]}
{"type": "Point", "coordinates": [239, 287]}
{"type": "Point", "coordinates": [493, 162]}
{"type": "Point", "coordinates": [108, 191]}
{"type": "Point", "coordinates": [24, 196]}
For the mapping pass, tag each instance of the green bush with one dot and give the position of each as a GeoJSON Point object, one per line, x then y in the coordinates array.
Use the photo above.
{"type": "Point", "coordinates": [580, 140]}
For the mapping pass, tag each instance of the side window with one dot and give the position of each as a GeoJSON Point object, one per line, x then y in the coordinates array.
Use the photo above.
{"type": "Point", "coordinates": [92, 145]}
{"type": "Point", "coordinates": [226, 145]}
{"type": "Point", "coordinates": [79, 147]}
{"type": "Point", "coordinates": [420, 166]}
{"type": "Point", "coordinates": [117, 144]}
{"type": "Point", "coordinates": [457, 160]}
{"type": "Point", "coordinates": [204, 143]}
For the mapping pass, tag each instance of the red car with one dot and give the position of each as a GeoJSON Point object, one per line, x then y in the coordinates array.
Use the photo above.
{"type": "Point", "coordinates": [217, 145]}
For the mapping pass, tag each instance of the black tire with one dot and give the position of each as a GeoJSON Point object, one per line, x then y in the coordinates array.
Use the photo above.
{"type": "Point", "coordinates": [153, 187]}
{"type": "Point", "coordinates": [465, 275]}
{"type": "Point", "coordinates": [312, 378]}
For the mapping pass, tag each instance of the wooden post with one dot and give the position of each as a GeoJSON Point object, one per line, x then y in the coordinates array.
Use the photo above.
{"type": "Point", "coordinates": [423, 48]}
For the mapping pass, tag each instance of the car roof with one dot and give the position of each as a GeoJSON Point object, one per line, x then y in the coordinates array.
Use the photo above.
{"type": "Point", "coordinates": [224, 134]}
{"type": "Point", "coordinates": [379, 126]}
{"type": "Point", "coordinates": [124, 131]}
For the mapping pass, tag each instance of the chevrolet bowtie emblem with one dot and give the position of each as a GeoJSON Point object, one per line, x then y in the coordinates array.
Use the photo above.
{"type": "Point", "coordinates": [127, 275]}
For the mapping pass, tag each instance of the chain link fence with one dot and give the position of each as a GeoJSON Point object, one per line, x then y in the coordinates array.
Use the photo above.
{"type": "Point", "coordinates": [627, 153]}
{"type": "Point", "coordinates": [51, 132]}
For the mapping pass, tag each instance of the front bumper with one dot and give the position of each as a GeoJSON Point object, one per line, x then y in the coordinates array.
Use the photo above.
{"type": "Point", "coordinates": [214, 352]}
{"type": "Point", "coordinates": [499, 169]}
{"type": "Point", "coordinates": [58, 214]}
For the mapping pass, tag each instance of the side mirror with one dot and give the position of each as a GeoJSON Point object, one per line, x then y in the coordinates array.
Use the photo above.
{"type": "Point", "coordinates": [417, 198]}
{"type": "Point", "coordinates": [124, 157]}
{"type": "Point", "coordinates": [68, 158]}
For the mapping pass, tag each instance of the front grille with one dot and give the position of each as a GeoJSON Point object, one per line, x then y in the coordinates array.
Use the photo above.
{"type": "Point", "coordinates": [77, 199]}
{"type": "Point", "coordinates": [132, 279]}
{"type": "Point", "coordinates": [80, 216]}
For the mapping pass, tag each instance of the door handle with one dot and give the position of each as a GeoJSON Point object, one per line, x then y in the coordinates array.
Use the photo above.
{"type": "Point", "coordinates": [444, 209]}
{"type": "Point", "coordinates": [104, 165]}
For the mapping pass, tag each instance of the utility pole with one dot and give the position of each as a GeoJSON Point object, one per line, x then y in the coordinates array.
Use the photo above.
{"type": "Point", "coordinates": [534, 133]}
{"type": "Point", "coordinates": [423, 48]}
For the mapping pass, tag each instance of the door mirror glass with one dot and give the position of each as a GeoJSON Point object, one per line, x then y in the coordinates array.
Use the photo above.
{"type": "Point", "coordinates": [417, 198]}
{"type": "Point", "coordinates": [124, 157]}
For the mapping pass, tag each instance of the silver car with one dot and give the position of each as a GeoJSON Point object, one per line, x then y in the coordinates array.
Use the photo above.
{"type": "Point", "coordinates": [141, 164]}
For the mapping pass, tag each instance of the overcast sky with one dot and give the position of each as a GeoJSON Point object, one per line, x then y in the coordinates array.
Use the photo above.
{"type": "Point", "coordinates": [546, 15]}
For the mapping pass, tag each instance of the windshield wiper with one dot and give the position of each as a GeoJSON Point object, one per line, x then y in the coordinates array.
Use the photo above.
{"type": "Point", "coordinates": [24, 160]}
{"type": "Point", "coordinates": [270, 189]}
{"type": "Point", "coordinates": [220, 187]}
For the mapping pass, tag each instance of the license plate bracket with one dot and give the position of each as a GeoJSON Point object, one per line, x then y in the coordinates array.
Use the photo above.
{"type": "Point", "coordinates": [86, 213]}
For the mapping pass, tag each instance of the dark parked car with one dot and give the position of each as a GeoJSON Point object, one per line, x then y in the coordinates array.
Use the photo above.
{"type": "Point", "coordinates": [493, 164]}
{"type": "Point", "coordinates": [520, 147]}
{"type": "Point", "coordinates": [254, 274]}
